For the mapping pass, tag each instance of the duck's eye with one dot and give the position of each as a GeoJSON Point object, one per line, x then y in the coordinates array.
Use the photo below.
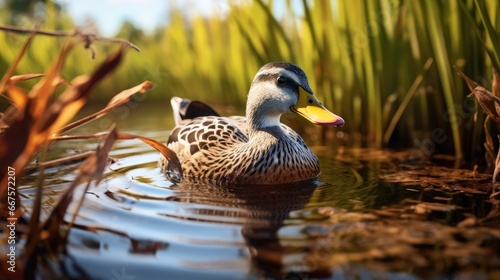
{"type": "Point", "coordinates": [281, 80]}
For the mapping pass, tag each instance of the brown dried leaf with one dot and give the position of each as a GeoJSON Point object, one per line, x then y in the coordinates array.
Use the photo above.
{"type": "Point", "coordinates": [496, 83]}
{"type": "Point", "coordinates": [118, 100]}
{"type": "Point", "coordinates": [497, 166]}
{"type": "Point", "coordinates": [124, 96]}
{"type": "Point", "coordinates": [18, 96]}
{"type": "Point", "coordinates": [21, 78]}
{"type": "Point", "coordinates": [40, 120]}
{"type": "Point", "coordinates": [24, 135]}
{"type": "Point", "coordinates": [489, 102]}
{"type": "Point", "coordinates": [71, 101]}
{"type": "Point", "coordinates": [43, 91]}
{"type": "Point", "coordinates": [472, 85]}
{"type": "Point", "coordinates": [488, 145]}
{"type": "Point", "coordinates": [174, 163]}
{"type": "Point", "coordinates": [95, 170]}
{"type": "Point", "coordinates": [427, 207]}
{"type": "Point", "coordinates": [3, 124]}
{"type": "Point", "coordinates": [9, 115]}
{"type": "Point", "coordinates": [10, 85]}
{"type": "Point", "coordinates": [92, 169]}
{"type": "Point", "coordinates": [58, 162]}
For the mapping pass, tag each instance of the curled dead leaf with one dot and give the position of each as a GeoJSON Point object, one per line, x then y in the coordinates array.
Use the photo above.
{"type": "Point", "coordinates": [174, 165]}
{"type": "Point", "coordinates": [489, 102]}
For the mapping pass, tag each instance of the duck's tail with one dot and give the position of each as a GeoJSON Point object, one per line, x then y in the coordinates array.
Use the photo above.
{"type": "Point", "coordinates": [185, 109]}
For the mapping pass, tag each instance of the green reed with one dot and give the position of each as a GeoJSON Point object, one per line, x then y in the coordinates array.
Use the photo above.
{"type": "Point", "coordinates": [384, 65]}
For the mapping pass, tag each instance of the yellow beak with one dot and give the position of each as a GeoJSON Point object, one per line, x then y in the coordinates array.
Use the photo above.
{"type": "Point", "coordinates": [309, 107]}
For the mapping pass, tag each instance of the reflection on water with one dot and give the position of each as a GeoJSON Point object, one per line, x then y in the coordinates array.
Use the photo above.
{"type": "Point", "coordinates": [137, 225]}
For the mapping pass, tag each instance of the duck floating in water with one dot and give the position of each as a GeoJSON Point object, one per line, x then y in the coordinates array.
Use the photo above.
{"type": "Point", "coordinates": [258, 148]}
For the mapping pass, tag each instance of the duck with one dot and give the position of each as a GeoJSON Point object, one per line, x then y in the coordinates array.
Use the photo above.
{"type": "Point", "coordinates": [256, 149]}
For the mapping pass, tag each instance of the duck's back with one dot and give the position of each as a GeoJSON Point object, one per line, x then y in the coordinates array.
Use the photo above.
{"type": "Point", "coordinates": [204, 133]}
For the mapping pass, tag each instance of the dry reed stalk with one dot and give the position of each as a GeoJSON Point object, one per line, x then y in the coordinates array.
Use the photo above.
{"type": "Point", "coordinates": [35, 119]}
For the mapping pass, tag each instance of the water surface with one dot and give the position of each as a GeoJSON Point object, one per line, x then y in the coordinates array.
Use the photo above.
{"type": "Point", "coordinates": [349, 223]}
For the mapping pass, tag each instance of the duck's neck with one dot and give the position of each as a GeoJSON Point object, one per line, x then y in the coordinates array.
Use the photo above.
{"type": "Point", "coordinates": [261, 122]}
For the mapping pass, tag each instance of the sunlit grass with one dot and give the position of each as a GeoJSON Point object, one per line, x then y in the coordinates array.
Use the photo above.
{"type": "Point", "coordinates": [363, 58]}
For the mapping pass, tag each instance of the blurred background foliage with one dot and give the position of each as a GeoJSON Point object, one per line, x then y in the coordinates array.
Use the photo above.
{"type": "Point", "coordinates": [383, 65]}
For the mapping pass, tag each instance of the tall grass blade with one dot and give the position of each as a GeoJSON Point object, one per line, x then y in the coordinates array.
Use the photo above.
{"type": "Point", "coordinates": [443, 65]}
{"type": "Point", "coordinates": [406, 100]}
{"type": "Point", "coordinates": [276, 26]}
{"type": "Point", "coordinates": [10, 70]}
{"type": "Point", "coordinates": [491, 33]}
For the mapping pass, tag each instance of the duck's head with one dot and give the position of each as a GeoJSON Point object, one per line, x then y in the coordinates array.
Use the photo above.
{"type": "Point", "coordinates": [282, 87]}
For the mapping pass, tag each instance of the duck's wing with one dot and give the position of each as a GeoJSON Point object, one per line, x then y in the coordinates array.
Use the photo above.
{"type": "Point", "coordinates": [240, 122]}
{"type": "Point", "coordinates": [185, 109]}
{"type": "Point", "coordinates": [203, 133]}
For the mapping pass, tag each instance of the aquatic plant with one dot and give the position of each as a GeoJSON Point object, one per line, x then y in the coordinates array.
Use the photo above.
{"type": "Point", "coordinates": [385, 65]}
{"type": "Point", "coordinates": [35, 119]}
